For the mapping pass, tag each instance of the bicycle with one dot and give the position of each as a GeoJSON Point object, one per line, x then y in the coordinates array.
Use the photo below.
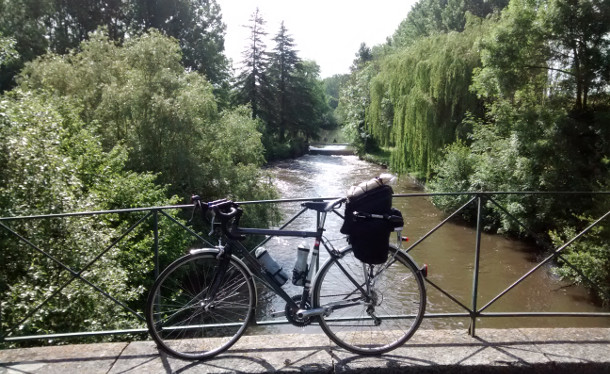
{"type": "Point", "coordinates": [202, 303]}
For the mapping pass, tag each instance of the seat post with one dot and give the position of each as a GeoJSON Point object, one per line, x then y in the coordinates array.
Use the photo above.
{"type": "Point", "coordinates": [321, 219]}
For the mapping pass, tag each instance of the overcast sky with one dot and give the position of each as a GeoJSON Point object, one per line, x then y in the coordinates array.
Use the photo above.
{"type": "Point", "coordinates": [326, 31]}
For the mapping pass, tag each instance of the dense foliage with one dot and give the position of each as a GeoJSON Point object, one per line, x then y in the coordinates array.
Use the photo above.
{"type": "Point", "coordinates": [51, 163]}
{"type": "Point", "coordinates": [119, 105]}
{"type": "Point", "coordinates": [425, 96]}
{"type": "Point", "coordinates": [58, 26]}
{"type": "Point", "coordinates": [140, 95]}
{"type": "Point", "coordinates": [106, 127]}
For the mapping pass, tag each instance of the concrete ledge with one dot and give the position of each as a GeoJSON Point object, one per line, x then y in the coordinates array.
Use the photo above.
{"type": "Point", "coordinates": [572, 350]}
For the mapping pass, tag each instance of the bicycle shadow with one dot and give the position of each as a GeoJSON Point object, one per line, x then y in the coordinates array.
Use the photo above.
{"type": "Point", "coordinates": [149, 359]}
{"type": "Point", "coordinates": [486, 354]}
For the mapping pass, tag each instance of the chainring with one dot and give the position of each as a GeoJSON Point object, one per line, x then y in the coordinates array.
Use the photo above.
{"type": "Point", "coordinates": [292, 317]}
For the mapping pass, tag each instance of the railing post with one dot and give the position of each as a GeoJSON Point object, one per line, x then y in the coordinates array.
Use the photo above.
{"type": "Point", "coordinates": [475, 277]}
{"type": "Point", "coordinates": [156, 241]}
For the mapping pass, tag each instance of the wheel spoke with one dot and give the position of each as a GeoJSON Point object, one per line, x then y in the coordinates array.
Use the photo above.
{"type": "Point", "coordinates": [386, 317]}
{"type": "Point", "coordinates": [187, 322]}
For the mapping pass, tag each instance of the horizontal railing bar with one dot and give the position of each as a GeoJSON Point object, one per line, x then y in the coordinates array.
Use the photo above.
{"type": "Point", "coordinates": [544, 314]}
{"type": "Point", "coordinates": [273, 232]}
{"type": "Point", "coordinates": [281, 201]}
{"type": "Point", "coordinates": [485, 193]}
{"type": "Point", "coordinates": [447, 315]}
{"type": "Point", "coordinates": [96, 212]}
{"type": "Point", "coordinates": [74, 334]}
{"type": "Point", "coordinates": [285, 322]}
{"type": "Point", "coordinates": [519, 314]}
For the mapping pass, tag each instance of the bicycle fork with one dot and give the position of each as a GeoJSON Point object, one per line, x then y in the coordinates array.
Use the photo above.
{"type": "Point", "coordinates": [219, 274]}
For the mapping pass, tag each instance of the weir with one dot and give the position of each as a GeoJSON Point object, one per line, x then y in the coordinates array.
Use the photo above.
{"type": "Point", "coordinates": [344, 149]}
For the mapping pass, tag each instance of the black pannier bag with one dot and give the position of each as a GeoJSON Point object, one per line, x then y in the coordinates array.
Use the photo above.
{"type": "Point", "coordinates": [370, 237]}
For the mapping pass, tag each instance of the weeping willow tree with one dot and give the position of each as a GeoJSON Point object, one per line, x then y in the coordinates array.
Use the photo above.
{"type": "Point", "coordinates": [421, 96]}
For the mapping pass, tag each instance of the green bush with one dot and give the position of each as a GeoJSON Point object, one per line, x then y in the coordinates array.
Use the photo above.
{"type": "Point", "coordinates": [589, 257]}
{"type": "Point", "coordinates": [139, 95]}
{"type": "Point", "coordinates": [52, 164]}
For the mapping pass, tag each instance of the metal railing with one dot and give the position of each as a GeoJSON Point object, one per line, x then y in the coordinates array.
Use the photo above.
{"type": "Point", "coordinates": [473, 311]}
{"type": "Point", "coordinates": [151, 216]}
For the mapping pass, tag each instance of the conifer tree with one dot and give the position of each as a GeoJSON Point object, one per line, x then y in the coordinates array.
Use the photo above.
{"type": "Point", "coordinates": [284, 63]}
{"type": "Point", "coordinates": [252, 81]}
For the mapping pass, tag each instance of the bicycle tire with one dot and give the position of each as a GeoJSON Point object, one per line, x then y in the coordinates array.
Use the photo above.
{"type": "Point", "coordinates": [400, 303]}
{"type": "Point", "coordinates": [175, 313]}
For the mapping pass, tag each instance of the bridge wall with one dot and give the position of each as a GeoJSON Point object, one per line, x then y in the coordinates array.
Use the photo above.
{"type": "Point", "coordinates": [557, 351]}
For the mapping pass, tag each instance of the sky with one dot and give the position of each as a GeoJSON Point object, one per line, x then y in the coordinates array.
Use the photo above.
{"type": "Point", "coordinates": [326, 31]}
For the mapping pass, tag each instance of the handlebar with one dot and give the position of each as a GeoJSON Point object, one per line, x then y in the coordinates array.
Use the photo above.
{"type": "Point", "coordinates": [227, 210]}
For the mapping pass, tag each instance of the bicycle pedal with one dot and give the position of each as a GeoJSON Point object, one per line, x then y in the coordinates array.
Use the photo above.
{"type": "Point", "coordinates": [278, 314]}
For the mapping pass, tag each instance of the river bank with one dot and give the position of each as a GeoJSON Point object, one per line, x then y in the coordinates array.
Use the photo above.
{"type": "Point", "coordinates": [383, 157]}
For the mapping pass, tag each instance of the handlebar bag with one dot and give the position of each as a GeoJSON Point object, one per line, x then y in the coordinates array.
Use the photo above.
{"type": "Point", "coordinates": [369, 237]}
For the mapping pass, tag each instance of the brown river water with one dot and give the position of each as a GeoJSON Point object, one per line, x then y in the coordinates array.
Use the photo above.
{"type": "Point", "coordinates": [449, 254]}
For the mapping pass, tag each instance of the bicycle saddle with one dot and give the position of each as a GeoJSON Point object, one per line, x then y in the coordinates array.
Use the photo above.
{"type": "Point", "coordinates": [323, 206]}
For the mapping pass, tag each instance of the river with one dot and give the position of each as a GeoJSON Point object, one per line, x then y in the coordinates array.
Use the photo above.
{"type": "Point", "coordinates": [449, 253]}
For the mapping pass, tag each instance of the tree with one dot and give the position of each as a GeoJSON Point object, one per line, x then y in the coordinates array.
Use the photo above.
{"type": "Point", "coordinates": [20, 20]}
{"type": "Point", "coordinates": [544, 82]}
{"type": "Point", "coordinates": [252, 84]}
{"type": "Point", "coordinates": [363, 56]}
{"type": "Point", "coordinates": [564, 40]}
{"type": "Point", "coordinates": [310, 110]}
{"type": "Point", "coordinates": [284, 92]}
{"type": "Point", "coordinates": [353, 104]}
{"type": "Point", "coordinates": [140, 95]}
{"type": "Point", "coordinates": [430, 17]}
{"type": "Point", "coordinates": [421, 95]}
{"type": "Point", "coordinates": [51, 163]}
{"type": "Point", "coordinates": [332, 88]}
{"type": "Point", "coordinates": [283, 65]}
{"type": "Point", "coordinates": [61, 25]}
{"type": "Point", "coordinates": [7, 50]}
{"type": "Point", "coordinates": [197, 24]}
{"type": "Point", "coordinates": [577, 33]}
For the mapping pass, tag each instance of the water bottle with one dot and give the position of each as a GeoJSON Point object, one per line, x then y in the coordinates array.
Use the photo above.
{"type": "Point", "coordinates": [272, 267]}
{"type": "Point", "coordinates": [299, 273]}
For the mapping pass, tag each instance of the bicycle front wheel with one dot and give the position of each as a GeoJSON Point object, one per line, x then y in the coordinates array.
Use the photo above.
{"type": "Point", "coordinates": [372, 309]}
{"type": "Point", "coordinates": [185, 320]}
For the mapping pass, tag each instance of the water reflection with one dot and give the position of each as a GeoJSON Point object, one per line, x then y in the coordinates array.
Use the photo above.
{"type": "Point", "coordinates": [449, 252]}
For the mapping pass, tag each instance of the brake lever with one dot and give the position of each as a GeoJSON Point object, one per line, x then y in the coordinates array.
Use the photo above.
{"type": "Point", "coordinates": [195, 200]}
{"type": "Point", "coordinates": [212, 225]}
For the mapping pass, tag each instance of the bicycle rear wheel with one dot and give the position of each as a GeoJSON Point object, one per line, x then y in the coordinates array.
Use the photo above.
{"type": "Point", "coordinates": [185, 320]}
{"type": "Point", "coordinates": [385, 319]}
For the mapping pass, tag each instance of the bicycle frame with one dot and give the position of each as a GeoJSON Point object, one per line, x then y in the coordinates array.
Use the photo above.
{"type": "Point", "coordinates": [259, 271]}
